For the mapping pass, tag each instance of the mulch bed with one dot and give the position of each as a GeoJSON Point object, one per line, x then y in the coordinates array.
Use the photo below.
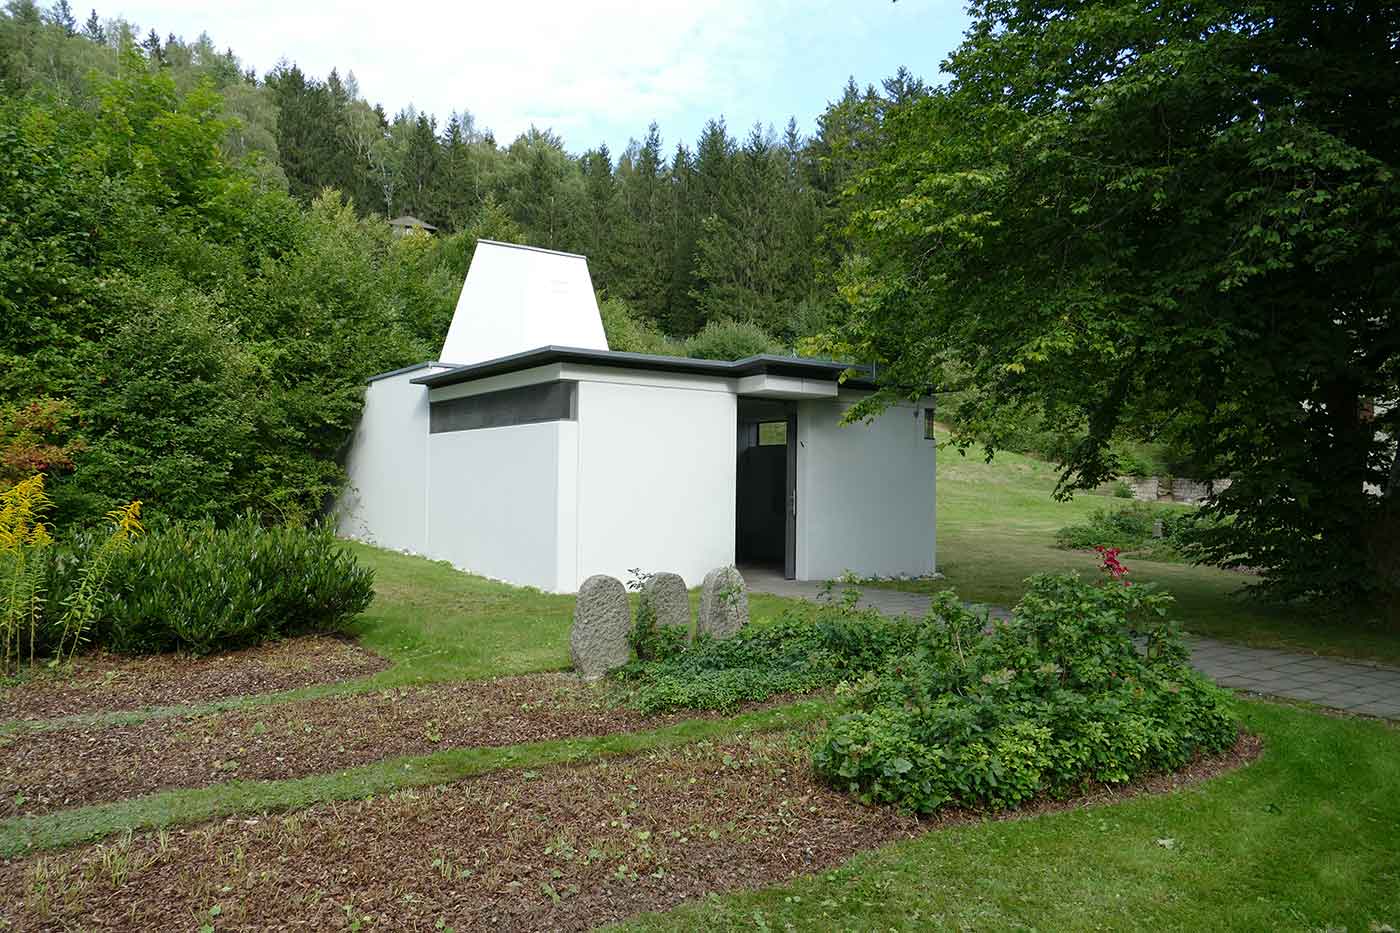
{"type": "Point", "coordinates": [563, 849]}
{"type": "Point", "coordinates": [61, 768]}
{"type": "Point", "coordinates": [104, 682]}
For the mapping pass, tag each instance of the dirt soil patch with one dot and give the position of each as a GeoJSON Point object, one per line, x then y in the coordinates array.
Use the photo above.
{"type": "Point", "coordinates": [60, 768]}
{"type": "Point", "coordinates": [562, 849]}
{"type": "Point", "coordinates": [104, 682]}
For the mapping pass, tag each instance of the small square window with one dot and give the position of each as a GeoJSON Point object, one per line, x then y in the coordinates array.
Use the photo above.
{"type": "Point", "coordinates": [772, 434]}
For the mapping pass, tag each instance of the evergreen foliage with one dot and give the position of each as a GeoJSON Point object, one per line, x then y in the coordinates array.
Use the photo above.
{"type": "Point", "coordinates": [198, 589]}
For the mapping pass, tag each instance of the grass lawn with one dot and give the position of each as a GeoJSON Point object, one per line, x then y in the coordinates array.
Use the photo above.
{"type": "Point", "coordinates": [997, 524]}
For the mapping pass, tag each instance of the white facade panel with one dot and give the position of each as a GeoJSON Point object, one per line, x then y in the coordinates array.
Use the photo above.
{"type": "Point", "coordinates": [519, 298]}
{"type": "Point", "coordinates": [494, 501]}
{"type": "Point", "coordinates": [384, 499]}
{"type": "Point", "coordinates": [865, 493]}
{"type": "Point", "coordinates": [656, 479]}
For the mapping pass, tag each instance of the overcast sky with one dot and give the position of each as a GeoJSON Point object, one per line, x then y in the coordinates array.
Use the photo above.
{"type": "Point", "coordinates": [596, 71]}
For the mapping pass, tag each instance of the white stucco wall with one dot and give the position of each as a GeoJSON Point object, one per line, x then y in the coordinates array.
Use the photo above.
{"type": "Point", "coordinates": [383, 502]}
{"type": "Point", "coordinates": [644, 478]}
{"type": "Point", "coordinates": [865, 492]}
{"type": "Point", "coordinates": [499, 502]}
{"type": "Point", "coordinates": [656, 474]}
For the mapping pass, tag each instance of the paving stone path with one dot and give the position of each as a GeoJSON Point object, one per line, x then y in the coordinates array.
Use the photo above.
{"type": "Point", "coordinates": [1354, 686]}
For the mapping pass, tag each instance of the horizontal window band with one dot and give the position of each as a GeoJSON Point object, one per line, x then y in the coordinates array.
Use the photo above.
{"type": "Point", "coordinates": [532, 404]}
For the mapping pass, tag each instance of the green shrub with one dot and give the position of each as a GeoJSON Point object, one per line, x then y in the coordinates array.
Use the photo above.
{"type": "Point", "coordinates": [199, 589]}
{"type": "Point", "coordinates": [1127, 528]}
{"type": "Point", "coordinates": [993, 715]}
{"type": "Point", "coordinates": [628, 332]}
{"type": "Point", "coordinates": [730, 340]}
{"type": "Point", "coordinates": [808, 649]}
{"type": "Point", "coordinates": [1130, 528]}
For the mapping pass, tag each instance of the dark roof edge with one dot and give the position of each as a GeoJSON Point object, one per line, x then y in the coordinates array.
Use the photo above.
{"type": "Point", "coordinates": [401, 370]}
{"type": "Point", "coordinates": [533, 249]}
{"type": "Point", "coordinates": [749, 366]}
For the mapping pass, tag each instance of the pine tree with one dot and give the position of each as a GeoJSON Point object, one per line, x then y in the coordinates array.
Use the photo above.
{"type": "Point", "coordinates": [682, 316]}
{"type": "Point", "coordinates": [92, 29]}
{"type": "Point", "coordinates": [61, 15]}
{"type": "Point", "coordinates": [641, 255]}
{"type": "Point", "coordinates": [420, 165]}
{"type": "Point", "coordinates": [311, 131]}
{"type": "Point", "coordinates": [598, 227]}
{"type": "Point", "coordinates": [153, 47]}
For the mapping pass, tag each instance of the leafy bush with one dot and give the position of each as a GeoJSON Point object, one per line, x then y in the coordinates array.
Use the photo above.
{"type": "Point", "coordinates": [34, 619]}
{"type": "Point", "coordinates": [994, 714]}
{"type": "Point", "coordinates": [730, 340]}
{"type": "Point", "coordinates": [1131, 528]}
{"type": "Point", "coordinates": [806, 650]}
{"type": "Point", "coordinates": [628, 332]}
{"type": "Point", "coordinates": [1126, 528]}
{"type": "Point", "coordinates": [199, 589]}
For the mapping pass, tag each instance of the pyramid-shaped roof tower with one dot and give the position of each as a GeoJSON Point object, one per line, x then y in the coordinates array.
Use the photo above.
{"type": "Point", "coordinates": [519, 298]}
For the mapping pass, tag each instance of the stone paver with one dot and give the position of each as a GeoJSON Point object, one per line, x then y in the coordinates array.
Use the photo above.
{"type": "Point", "coordinates": [1354, 686]}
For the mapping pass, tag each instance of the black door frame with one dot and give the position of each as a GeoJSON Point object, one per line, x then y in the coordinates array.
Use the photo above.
{"type": "Point", "coordinates": [790, 530]}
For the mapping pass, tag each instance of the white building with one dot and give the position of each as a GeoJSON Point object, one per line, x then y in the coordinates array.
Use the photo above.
{"type": "Point", "coordinates": [533, 454]}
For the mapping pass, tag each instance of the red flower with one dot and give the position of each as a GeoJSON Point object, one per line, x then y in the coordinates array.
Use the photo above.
{"type": "Point", "coordinates": [1111, 564]}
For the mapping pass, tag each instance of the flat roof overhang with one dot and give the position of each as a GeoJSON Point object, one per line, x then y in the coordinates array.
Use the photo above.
{"type": "Point", "coordinates": [760, 376]}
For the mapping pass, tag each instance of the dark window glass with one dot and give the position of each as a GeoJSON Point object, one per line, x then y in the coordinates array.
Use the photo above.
{"type": "Point", "coordinates": [545, 401]}
{"type": "Point", "coordinates": [928, 423]}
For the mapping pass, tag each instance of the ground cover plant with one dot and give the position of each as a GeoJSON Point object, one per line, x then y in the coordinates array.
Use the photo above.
{"type": "Point", "coordinates": [960, 708]}
{"type": "Point", "coordinates": [996, 712]}
{"type": "Point", "coordinates": [1301, 839]}
{"type": "Point", "coordinates": [809, 648]}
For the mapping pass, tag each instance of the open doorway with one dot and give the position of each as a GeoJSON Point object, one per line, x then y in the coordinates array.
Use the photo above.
{"type": "Point", "coordinates": [765, 526]}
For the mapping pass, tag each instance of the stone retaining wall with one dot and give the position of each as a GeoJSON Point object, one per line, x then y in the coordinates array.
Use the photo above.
{"type": "Point", "coordinates": [1173, 488]}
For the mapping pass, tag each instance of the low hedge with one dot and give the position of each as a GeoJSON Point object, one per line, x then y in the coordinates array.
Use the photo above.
{"type": "Point", "coordinates": [807, 649]}
{"type": "Point", "coordinates": [199, 589]}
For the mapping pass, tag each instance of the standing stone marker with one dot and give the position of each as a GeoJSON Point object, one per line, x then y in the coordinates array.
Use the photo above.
{"type": "Point", "coordinates": [670, 603]}
{"type": "Point", "coordinates": [724, 603]}
{"type": "Point", "coordinates": [602, 618]}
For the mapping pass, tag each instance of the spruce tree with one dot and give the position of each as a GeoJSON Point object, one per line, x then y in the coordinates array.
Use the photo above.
{"type": "Point", "coordinates": [61, 15]}
{"type": "Point", "coordinates": [92, 29]}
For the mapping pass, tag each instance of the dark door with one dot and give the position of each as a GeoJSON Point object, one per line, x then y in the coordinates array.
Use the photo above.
{"type": "Point", "coordinates": [790, 533]}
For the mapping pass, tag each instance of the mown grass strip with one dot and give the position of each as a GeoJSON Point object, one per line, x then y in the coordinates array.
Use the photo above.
{"type": "Point", "coordinates": [23, 835]}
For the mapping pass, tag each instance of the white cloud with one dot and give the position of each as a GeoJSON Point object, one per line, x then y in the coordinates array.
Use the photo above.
{"type": "Point", "coordinates": [560, 63]}
{"type": "Point", "coordinates": [592, 71]}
